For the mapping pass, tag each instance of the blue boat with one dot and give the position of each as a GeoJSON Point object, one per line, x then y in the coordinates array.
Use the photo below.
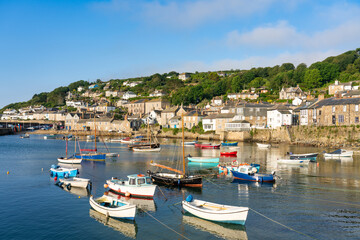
{"type": "Point", "coordinates": [57, 171]}
{"type": "Point", "coordinates": [91, 156]}
{"type": "Point", "coordinates": [227, 144]}
{"type": "Point", "coordinates": [247, 173]}
{"type": "Point", "coordinates": [227, 169]}
{"type": "Point", "coordinates": [305, 156]}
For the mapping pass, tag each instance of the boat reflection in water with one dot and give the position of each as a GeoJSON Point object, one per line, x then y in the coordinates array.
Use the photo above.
{"type": "Point", "coordinates": [200, 166]}
{"type": "Point", "coordinates": [246, 184]}
{"type": "Point", "coordinates": [82, 192]}
{"type": "Point", "coordinates": [141, 203]}
{"type": "Point", "coordinates": [221, 230]}
{"type": "Point", "coordinates": [127, 228]}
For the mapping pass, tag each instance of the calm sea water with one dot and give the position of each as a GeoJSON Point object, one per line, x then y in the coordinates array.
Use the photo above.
{"type": "Point", "coordinates": [321, 200]}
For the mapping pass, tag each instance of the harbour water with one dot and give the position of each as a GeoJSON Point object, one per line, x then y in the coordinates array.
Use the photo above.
{"type": "Point", "coordinates": [320, 201]}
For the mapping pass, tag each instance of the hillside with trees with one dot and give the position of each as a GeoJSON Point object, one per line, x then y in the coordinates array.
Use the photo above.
{"type": "Point", "coordinates": [203, 86]}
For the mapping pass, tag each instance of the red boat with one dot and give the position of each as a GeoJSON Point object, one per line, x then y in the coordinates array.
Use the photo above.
{"type": "Point", "coordinates": [210, 146]}
{"type": "Point", "coordinates": [228, 153]}
{"type": "Point", "coordinates": [198, 145]}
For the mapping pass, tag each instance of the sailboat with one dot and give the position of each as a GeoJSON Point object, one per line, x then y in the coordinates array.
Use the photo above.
{"type": "Point", "coordinates": [148, 146]}
{"type": "Point", "coordinates": [179, 178]}
{"type": "Point", "coordinates": [72, 159]}
{"type": "Point", "coordinates": [91, 154]}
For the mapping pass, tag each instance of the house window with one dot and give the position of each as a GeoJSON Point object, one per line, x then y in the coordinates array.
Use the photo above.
{"type": "Point", "coordinates": [341, 118]}
{"type": "Point", "coordinates": [356, 119]}
{"type": "Point", "coordinates": [319, 112]}
{"type": "Point", "coordinates": [333, 109]}
{"type": "Point", "coordinates": [356, 108]}
{"type": "Point", "coordinates": [250, 117]}
{"type": "Point", "coordinates": [344, 108]}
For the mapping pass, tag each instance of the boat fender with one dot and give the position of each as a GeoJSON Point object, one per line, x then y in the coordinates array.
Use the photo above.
{"type": "Point", "coordinates": [51, 174]}
{"type": "Point", "coordinates": [141, 175]}
{"type": "Point", "coordinates": [235, 163]}
{"type": "Point", "coordinates": [55, 178]}
{"type": "Point", "coordinates": [66, 175]}
{"type": "Point", "coordinates": [189, 198]}
{"type": "Point", "coordinates": [68, 187]}
{"type": "Point", "coordinates": [273, 173]}
{"type": "Point", "coordinates": [127, 194]}
{"type": "Point", "coordinates": [77, 172]}
{"type": "Point", "coordinates": [254, 169]}
{"type": "Point", "coordinates": [90, 186]}
{"type": "Point", "coordinates": [106, 186]}
{"type": "Point", "coordinates": [54, 166]}
{"type": "Point", "coordinates": [148, 172]}
{"type": "Point", "coordinates": [60, 184]}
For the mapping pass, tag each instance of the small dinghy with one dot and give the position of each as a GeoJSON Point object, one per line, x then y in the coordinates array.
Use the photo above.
{"type": "Point", "coordinates": [340, 153]}
{"type": "Point", "coordinates": [263, 145]}
{"type": "Point", "coordinates": [113, 207]}
{"type": "Point", "coordinates": [111, 154]}
{"type": "Point", "coordinates": [227, 144]}
{"type": "Point", "coordinates": [294, 161]}
{"type": "Point", "coordinates": [203, 159]}
{"type": "Point", "coordinates": [215, 212]}
{"type": "Point", "coordinates": [230, 154]}
{"type": "Point", "coordinates": [69, 160]}
{"type": "Point", "coordinates": [57, 171]}
{"type": "Point", "coordinates": [75, 182]}
{"type": "Point", "coordinates": [190, 143]}
{"type": "Point", "coordinates": [249, 173]}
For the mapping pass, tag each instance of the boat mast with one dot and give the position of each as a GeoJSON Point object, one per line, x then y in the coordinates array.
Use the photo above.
{"type": "Point", "coordinates": [66, 145]}
{"type": "Point", "coordinates": [183, 145]}
{"type": "Point", "coordinates": [95, 130]}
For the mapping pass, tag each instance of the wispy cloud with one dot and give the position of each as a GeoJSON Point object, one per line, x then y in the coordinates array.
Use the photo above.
{"type": "Point", "coordinates": [186, 13]}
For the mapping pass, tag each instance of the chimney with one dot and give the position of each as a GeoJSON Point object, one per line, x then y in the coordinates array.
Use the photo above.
{"type": "Point", "coordinates": [321, 97]}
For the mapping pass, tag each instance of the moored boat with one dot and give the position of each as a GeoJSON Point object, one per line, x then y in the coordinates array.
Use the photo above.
{"type": "Point", "coordinates": [294, 161]}
{"type": "Point", "coordinates": [247, 173]}
{"type": "Point", "coordinates": [203, 159]}
{"type": "Point", "coordinates": [51, 136]}
{"type": "Point", "coordinates": [340, 153]}
{"type": "Point", "coordinates": [210, 146]}
{"type": "Point", "coordinates": [190, 143]}
{"type": "Point", "coordinates": [215, 212]}
{"type": "Point", "coordinates": [75, 182]}
{"type": "Point", "coordinates": [57, 171]}
{"type": "Point", "coordinates": [146, 149]}
{"type": "Point", "coordinates": [226, 169]}
{"type": "Point", "coordinates": [25, 136]}
{"type": "Point", "coordinates": [113, 207]}
{"type": "Point", "coordinates": [137, 185]}
{"type": "Point", "coordinates": [228, 153]}
{"type": "Point", "coordinates": [263, 145]}
{"type": "Point", "coordinates": [69, 160]}
{"type": "Point", "coordinates": [229, 144]}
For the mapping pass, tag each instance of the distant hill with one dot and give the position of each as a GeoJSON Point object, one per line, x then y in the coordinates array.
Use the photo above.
{"type": "Point", "coordinates": [206, 85]}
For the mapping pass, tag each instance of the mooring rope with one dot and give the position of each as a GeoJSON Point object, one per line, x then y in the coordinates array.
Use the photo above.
{"type": "Point", "coordinates": [166, 225]}
{"type": "Point", "coordinates": [282, 224]}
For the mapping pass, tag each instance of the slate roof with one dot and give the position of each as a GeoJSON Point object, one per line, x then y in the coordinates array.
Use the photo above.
{"type": "Point", "coordinates": [336, 101]}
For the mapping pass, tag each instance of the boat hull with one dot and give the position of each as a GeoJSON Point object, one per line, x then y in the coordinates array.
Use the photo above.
{"type": "Point", "coordinates": [147, 149]}
{"type": "Point", "coordinates": [203, 160]}
{"type": "Point", "coordinates": [227, 169]}
{"type": "Point", "coordinates": [311, 156]}
{"type": "Point", "coordinates": [254, 177]}
{"type": "Point", "coordinates": [61, 172]}
{"type": "Point", "coordinates": [216, 212]}
{"type": "Point", "coordinates": [92, 156]}
{"type": "Point", "coordinates": [134, 191]}
{"type": "Point", "coordinates": [70, 160]}
{"type": "Point", "coordinates": [76, 182]}
{"type": "Point", "coordinates": [170, 179]}
{"type": "Point", "coordinates": [263, 145]}
{"type": "Point", "coordinates": [210, 146]}
{"type": "Point", "coordinates": [342, 155]}
{"type": "Point", "coordinates": [125, 212]}
{"type": "Point", "coordinates": [228, 144]}
{"type": "Point", "coordinates": [228, 153]}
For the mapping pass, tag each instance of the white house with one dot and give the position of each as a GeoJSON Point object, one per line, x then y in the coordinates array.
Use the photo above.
{"type": "Point", "coordinates": [76, 104]}
{"type": "Point", "coordinates": [112, 93]}
{"type": "Point", "coordinates": [128, 95]}
{"type": "Point", "coordinates": [157, 93]}
{"type": "Point", "coordinates": [278, 117]}
{"type": "Point", "coordinates": [131, 84]}
{"type": "Point", "coordinates": [80, 88]}
{"type": "Point", "coordinates": [209, 123]}
{"type": "Point", "coordinates": [297, 101]}
{"type": "Point", "coordinates": [184, 76]}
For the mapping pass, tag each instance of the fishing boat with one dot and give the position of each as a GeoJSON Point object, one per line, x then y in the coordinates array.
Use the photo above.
{"type": "Point", "coordinates": [304, 156]}
{"type": "Point", "coordinates": [152, 145]}
{"type": "Point", "coordinates": [228, 153]}
{"type": "Point", "coordinates": [210, 146]}
{"type": "Point", "coordinates": [113, 207]}
{"type": "Point", "coordinates": [137, 185]}
{"type": "Point", "coordinates": [91, 154]}
{"type": "Point", "coordinates": [57, 171]}
{"type": "Point", "coordinates": [248, 173]}
{"type": "Point", "coordinates": [215, 212]}
{"type": "Point", "coordinates": [75, 182]}
{"type": "Point", "coordinates": [203, 160]}
{"type": "Point", "coordinates": [126, 228]}
{"type": "Point", "coordinates": [229, 144]}
{"type": "Point", "coordinates": [71, 159]}
{"type": "Point", "coordinates": [340, 153]}
{"type": "Point", "coordinates": [178, 178]}
{"type": "Point", "coordinates": [263, 145]}
{"type": "Point", "coordinates": [294, 161]}
{"type": "Point", "coordinates": [226, 169]}
{"type": "Point", "coordinates": [192, 143]}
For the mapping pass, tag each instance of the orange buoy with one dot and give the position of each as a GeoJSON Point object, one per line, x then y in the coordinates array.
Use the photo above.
{"type": "Point", "coordinates": [106, 186]}
{"type": "Point", "coordinates": [141, 175]}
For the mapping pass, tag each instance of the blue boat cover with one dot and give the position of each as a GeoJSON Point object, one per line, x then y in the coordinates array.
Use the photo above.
{"type": "Point", "coordinates": [336, 152]}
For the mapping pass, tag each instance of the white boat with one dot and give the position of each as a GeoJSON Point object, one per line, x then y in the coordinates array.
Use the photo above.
{"type": "Point", "coordinates": [113, 207]}
{"type": "Point", "coordinates": [127, 228]}
{"type": "Point", "coordinates": [215, 212]}
{"type": "Point", "coordinates": [263, 145]}
{"type": "Point", "coordinates": [294, 161]}
{"type": "Point", "coordinates": [340, 153]}
{"type": "Point", "coordinates": [115, 139]}
{"type": "Point", "coordinates": [138, 185]}
{"type": "Point", "coordinates": [203, 159]}
{"type": "Point", "coordinates": [147, 149]}
{"type": "Point", "coordinates": [192, 143]}
{"type": "Point", "coordinates": [75, 182]}
{"type": "Point", "coordinates": [111, 154]}
{"type": "Point", "coordinates": [70, 160]}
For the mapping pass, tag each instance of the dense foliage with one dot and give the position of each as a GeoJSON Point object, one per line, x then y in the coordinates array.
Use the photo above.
{"type": "Point", "coordinates": [203, 86]}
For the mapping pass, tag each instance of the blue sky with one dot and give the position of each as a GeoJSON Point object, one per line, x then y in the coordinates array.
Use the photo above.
{"type": "Point", "coordinates": [45, 44]}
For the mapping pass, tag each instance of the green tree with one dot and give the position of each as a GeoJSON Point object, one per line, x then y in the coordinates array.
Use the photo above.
{"type": "Point", "coordinates": [312, 78]}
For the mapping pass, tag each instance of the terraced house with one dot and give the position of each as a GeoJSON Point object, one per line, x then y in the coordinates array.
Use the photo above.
{"type": "Point", "coordinates": [334, 112]}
